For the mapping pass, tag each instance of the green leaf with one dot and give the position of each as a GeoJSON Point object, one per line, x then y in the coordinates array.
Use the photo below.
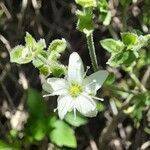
{"type": "Point", "coordinates": [140, 102]}
{"type": "Point", "coordinates": [142, 42]}
{"type": "Point", "coordinates": [100, 107]}
{"type": "Point", "coordinates": [5, 146]}
{"type": "Point", "coordinates": [13, 133]}
{"type": "Point", "coordinates": [118, 59]}
{"type": "Point", "coordinates": [21, 55]}
{"type": "Point", "coordinates": [131, 58]}
{"type": "Point", "coordinates": [40, 59]}
{"type": "Point", "coordinates": [86, 3]}
{"type": "Point", "coordinates": [110, 79]}
{"type": "Point", "coordinates": [105, 14]}
{"type": "Point", "coordinates": [53, 56]}
{"type": "Point", "coordinates": [36, 128]}
{"type": "Point", "coordinates": [45, 70]}
{"type": "Point", "coordinates": [37, 124]}
{"type": "Point", "coordinates": [126, 58]}
{"type": "Point", "coordinates": [107, 18]}
{"type": "Point", "coordinates": [147, 130]}
{"type": "Point", "coordinates": [37, 62]}
{"type": "Point", "coordinates": [30, 41]}
{"type": "Point", "coordinates": [103, 5]}
{"type": "Point", "coordinates": [57, 46]}
{"type": "Point", "coordinates": [112, 45]}
{"type": "Point", "coordinates": [41, 44]}
{"type": "Point", "coordinates": [57, 69]}
{"type": "Point", "coordinates": [35, 103]}
{"type": "Point", "coordinates": [143, 59]}
{"type": "Point", "coordinates": [129, 38]}
{"type": "Point", "coordinates": [147, 36]}
{"type": "Point", "coordinates": [63, 135]}
{"type": "Point", "coordinates": [85, 21]}
{"type": "Point", "coordinates": [78, 121]}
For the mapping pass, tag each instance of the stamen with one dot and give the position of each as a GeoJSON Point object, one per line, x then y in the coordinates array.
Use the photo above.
{"type": "Point", "coordinates": [74, 111]}
{"type": "Point", "coordinates": [97, 98]}
{"type": "Point", "coordinates": [48, 95]}
{"type": "Point", "coordinates": [87, 69]}
{"type": "Point", "coordinates": [55, 109]}
{"type": "Point", "coordinates": [53, 94]}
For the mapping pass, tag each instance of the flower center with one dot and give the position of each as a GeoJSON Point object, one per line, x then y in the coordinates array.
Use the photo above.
{"type": "Point", "coordinates": [75, 89]}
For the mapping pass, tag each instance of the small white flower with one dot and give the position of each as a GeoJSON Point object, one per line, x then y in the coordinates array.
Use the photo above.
{"type": "Point", "coordinates": [76, 91]}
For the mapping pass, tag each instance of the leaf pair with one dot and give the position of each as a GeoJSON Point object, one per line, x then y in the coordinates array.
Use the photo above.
{"type": "Point", "coordinates": [40, 124]}
{"type": "Point", "coordinates": [124, 52]}
{"type": "Point", "coordinates": [45, 60]}
{"type": "Point", "coordinates": [85, 22]}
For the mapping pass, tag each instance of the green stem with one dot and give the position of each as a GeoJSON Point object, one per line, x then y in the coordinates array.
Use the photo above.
{"type": "Point", "coordinates": [92, 51]}
{"type": "Point", "coordinates": [138, 83]}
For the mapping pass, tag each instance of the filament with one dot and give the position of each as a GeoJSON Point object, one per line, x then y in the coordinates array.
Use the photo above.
{"type": "Point", "coordinates": [87, 69]}
{"type": "Point", "coordinates": [97, 98]}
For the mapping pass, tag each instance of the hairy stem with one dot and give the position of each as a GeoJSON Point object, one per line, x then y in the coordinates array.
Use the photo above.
{"type": "Point", "coordinates": [92, 51]}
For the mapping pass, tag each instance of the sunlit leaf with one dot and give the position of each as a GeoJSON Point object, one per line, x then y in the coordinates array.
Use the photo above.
{"type": "Point", "coordinates": [85, 21]}
{"type": "Point", "coordinates": [57, 69]}
{"type": "Point", "coordinates": [5, 146]}
{"type": "Point", "coordinates": [110, 79]}
{"type": "Point", "coordinates": [45, 70]}
{"type": "Point", "coordinates": [105, 14]}
{"type": "Point", "coordinates": [35, 103]}
{"type": "Point", "coordinates": [100, 107]}
{"type": "Point", "coordinates": [21, 55]}
{"type": "Point", "coordinates": [107, 19]}
{"type": "Point", "coordinates": [63, 135]}
{"type": "Point", "coordinates": [57, 46]}
{"type": "Point", "coordinates": [36, 127]}
{"type": "Point", "coordinates": [78, 121]}
{"type": "Point", "coordinates": [129, 38]}
{"type": "Point", "coordinates": [30, 41]}
{"type": "Point", "coordinates": [118, 59]}
{"type": "Point", "coordinates": [40, 45]}
{"type": "Point", "coordinates": [112, 45]}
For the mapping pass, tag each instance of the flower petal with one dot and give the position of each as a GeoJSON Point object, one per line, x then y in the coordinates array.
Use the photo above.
{"type": "Point", "coordinates": [86, 106]}
{"type": "Point", "coordinates": [58, 86]}
{"type": "Point", "coordinates": [46, 87]}
{"type": "Point", "coordinates": [75, 68]}
{"type": "Point", "coordinates": [65, 104]}
{"type": "Point", "coordinates": [97, 78]}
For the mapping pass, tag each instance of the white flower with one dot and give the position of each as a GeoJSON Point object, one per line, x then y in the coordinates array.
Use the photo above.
{"type": "Point", "coordinates": [76, 91]}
